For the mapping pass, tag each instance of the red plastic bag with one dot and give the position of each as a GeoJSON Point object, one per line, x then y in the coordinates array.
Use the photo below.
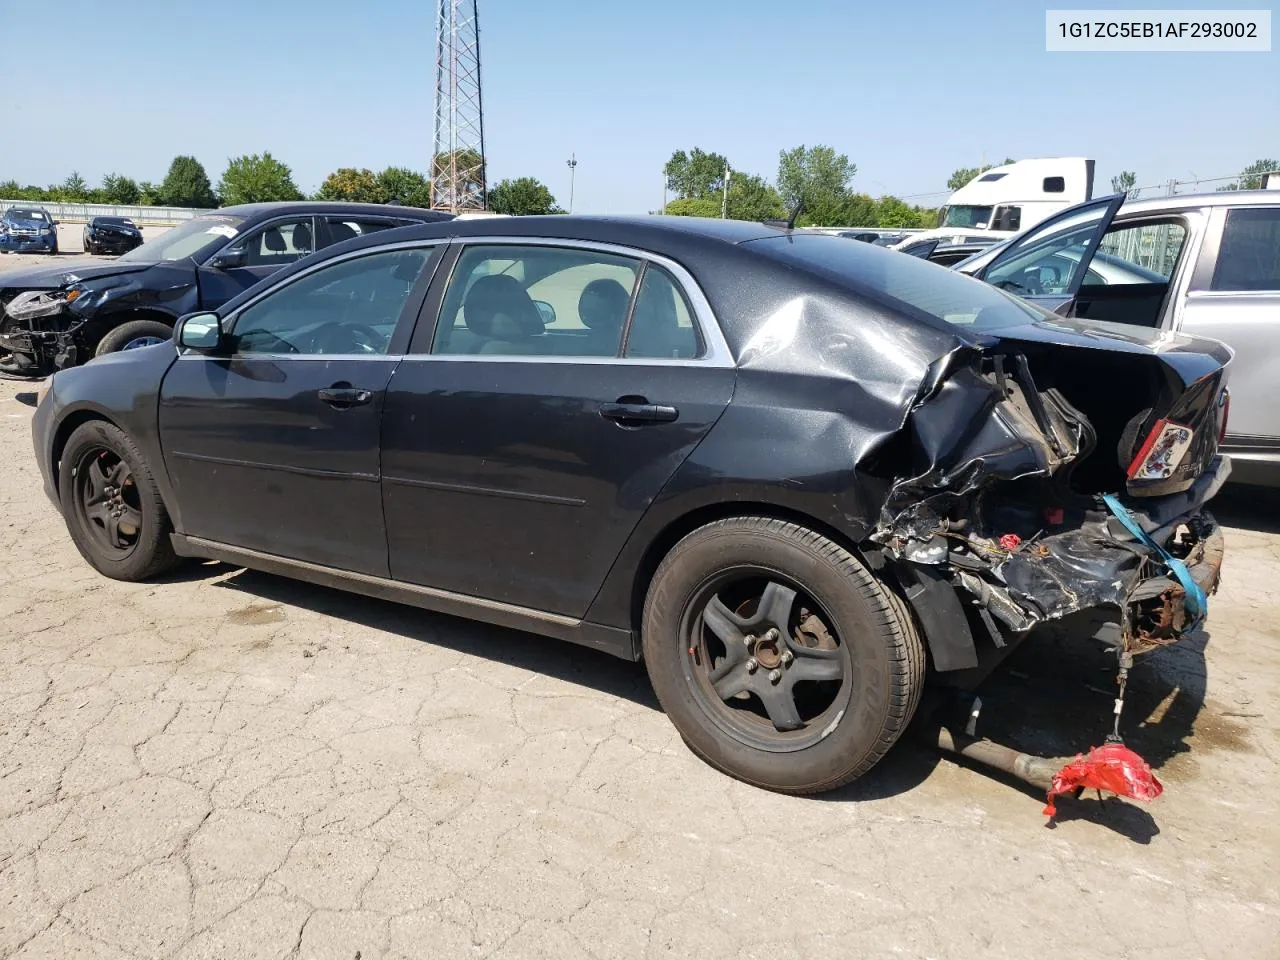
{"type": "Point", "coordinates": [1112, 767]}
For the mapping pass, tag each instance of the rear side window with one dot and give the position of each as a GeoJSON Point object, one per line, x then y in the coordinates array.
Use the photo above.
{"type": "Point", "coordinates": [1249, 255]}
{"type": "Point", "coordinates": [662, 325]}
{"type": "Point", "coordinates": [1055, 184]}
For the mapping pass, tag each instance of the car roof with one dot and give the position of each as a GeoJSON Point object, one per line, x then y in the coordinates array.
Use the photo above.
{"type": "Point", "coordinates": [329, 206]}
{"type": "Point", "coordinates": [1190, 201]}
{"type": "Point", "coordinates": [659, 234]}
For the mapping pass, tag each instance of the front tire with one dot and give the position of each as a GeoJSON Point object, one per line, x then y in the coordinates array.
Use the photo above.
{"type": "Point", "coordinates": [135, 333]}
{"type": "Point", "coordinates": [112, 505]}
{"type": "Point", "coordinates": [778, 656]}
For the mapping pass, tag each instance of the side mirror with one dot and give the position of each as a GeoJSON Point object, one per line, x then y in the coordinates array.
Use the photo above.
{"type": "Point", "coordinates": [229, 259]}
{"type": "Point", "coordinates": [547, 311]}
{"type": "Point", "coordinates": [200, 331]}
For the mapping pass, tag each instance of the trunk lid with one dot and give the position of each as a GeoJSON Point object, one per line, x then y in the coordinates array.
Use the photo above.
{"type": "Point", "coordinates": [1156, 400]}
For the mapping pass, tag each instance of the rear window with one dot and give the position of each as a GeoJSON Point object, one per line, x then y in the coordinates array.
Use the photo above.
{"type": "Point", "coordinates": [904, 283]}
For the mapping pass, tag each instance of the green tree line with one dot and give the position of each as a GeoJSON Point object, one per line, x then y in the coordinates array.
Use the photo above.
{"type": "Point", "coordinates": [818, 176]}
{"type": "Point", "coordinates": [254, 178]}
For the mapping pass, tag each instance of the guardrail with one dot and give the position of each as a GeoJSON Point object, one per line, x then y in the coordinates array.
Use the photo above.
{"type": "Point", "coordinates": [143, 216]}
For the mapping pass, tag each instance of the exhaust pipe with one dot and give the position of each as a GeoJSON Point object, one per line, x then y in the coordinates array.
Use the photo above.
{"type": "Point", "coordinates": [1037, 771]}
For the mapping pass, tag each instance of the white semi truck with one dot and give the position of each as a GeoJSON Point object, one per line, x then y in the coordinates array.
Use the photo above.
{"type": "Point", "coordinates": [1005, 200]}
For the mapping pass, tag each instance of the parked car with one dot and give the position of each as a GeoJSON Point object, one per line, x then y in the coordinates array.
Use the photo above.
{"type": "Point", "coordinates": [28, 230]}
{"type": "Point", "coordinates": [111, 235]}
{"type": "Point", "coordinates": [944, 251]}
{"type": "Point", "coordinates": [60, 316]}
{"type": "Point", "coordinates": [787, 471]}
{"type": "Point", "coordinates": [1207, 265]}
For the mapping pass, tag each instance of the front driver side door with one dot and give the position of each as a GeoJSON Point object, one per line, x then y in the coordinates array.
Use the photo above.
{"type": "Point", "coordinates": [274, 446]}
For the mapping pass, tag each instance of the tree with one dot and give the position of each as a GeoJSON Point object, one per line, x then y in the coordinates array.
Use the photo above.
{"type": "Point", "coordinates": [820, 177]}
{"type": "Point", "coordinates": [859, 210]}
{"type": "Point", "coordinates": [524, 196]}
{"type": "Point", "coordinates": [74, 187]}
{"type": "Point", "coordinates": [695, 174]}
{"type": "Point", "coordinates": [1123, 182]}
{"type": "Point", "coordinates": [10, 190]}
{"type": "Point", "coordinates": [751, 198]}
{"type": "Point", "coordinates": [186, 185]}
{"type": "Point", "coordinates": [255, 178]}
{"type": "Point", "coordinates": [963, 175]}
{"type": "Point", "coordinates": [892, 212]}
{"type": "Point", "coordinates": [120, 189]}
{"type": "Point", "coordinates": [1251, 176]}
{"type": "Point", "coordinates": [357, 186]}
{"type": "Point", "coordinates": [405, 186]}
{"type": "Point", "coordinates": [148, 193]}
{"type": "Point", "coordinates": [693, 207]}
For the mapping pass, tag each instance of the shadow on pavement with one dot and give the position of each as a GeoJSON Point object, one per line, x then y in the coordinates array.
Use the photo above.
{"type": "Point", "coordinates": [1249, 508]}
{"type": "Point", "coordinates": [1053, 697]}
{"type": "Point", "coordinates": [555, 658]}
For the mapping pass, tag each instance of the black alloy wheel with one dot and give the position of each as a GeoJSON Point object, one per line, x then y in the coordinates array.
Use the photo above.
{"type": "Point", "coordinates": [779, 656]}
{"type": "Point", "coordinates": [111, 504]}
{"type": "Point", "coordinates": [765, 664]}
{"type": "Point", "coordinates": [107, 501]}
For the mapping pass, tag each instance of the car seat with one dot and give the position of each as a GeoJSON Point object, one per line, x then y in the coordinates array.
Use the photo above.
{"type": "Point", "coordinates": [499, 311]}
{"type": "Point", "coordinates": [302, 239]}
{"type": "Point", "coordinates": [602, 308]}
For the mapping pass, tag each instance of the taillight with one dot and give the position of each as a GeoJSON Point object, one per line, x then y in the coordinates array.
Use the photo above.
{"type": "Point", "coordinates": [1161, 452]}
{"type": "Point", "coordinates": [1224, 411]}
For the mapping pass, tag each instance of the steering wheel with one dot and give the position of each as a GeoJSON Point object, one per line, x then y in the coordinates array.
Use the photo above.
{"type": "Point", "coordinates": [352, 338]}
{"type": "Point", "coordinates": [1013, 286]}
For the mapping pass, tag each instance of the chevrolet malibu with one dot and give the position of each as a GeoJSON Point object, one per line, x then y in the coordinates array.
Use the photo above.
{"type": "Point", "coordinates": [800, 478]}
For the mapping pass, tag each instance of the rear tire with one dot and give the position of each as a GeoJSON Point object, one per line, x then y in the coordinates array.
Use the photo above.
{"type": "Point", "coordinates": [724, 700]}
{"type": "Point", "coordinates": [112, 505]}
{"type": "Point", "coordinates": [134, 330]}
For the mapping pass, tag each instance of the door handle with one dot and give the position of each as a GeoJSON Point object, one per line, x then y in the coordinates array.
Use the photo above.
{"type": "Point", "coordinates": [636, 412]}
{"type": "Point", "coordinates": [340, 396]}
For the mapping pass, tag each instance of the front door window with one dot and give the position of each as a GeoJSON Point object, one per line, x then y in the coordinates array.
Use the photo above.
{"type": "Point", "coordinates": [350, 307]}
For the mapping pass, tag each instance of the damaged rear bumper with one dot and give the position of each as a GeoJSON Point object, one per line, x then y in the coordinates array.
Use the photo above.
{"type": "Point", "coordinates": [1094, 566]}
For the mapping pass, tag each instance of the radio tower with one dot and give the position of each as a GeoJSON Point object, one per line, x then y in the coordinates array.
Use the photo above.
{"type": "Point", "coordinates": [457, 166]}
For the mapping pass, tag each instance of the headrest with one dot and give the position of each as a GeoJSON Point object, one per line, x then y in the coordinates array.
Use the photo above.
{"type": "Point", "coordinates": [498, 306]}
{"type": "Point", "coordinates": [603, 305]}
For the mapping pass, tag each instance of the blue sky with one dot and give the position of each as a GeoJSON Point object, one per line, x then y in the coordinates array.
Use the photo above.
{"type": "Point", "coordinates": [909, 90]}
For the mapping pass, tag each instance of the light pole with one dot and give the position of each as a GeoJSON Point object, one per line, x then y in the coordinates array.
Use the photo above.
{"type": "Point", "coordinates": [573, 167]}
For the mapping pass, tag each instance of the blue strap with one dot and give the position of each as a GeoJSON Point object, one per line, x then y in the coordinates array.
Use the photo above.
{"type": "Point", "coordinates": [1195, 602]}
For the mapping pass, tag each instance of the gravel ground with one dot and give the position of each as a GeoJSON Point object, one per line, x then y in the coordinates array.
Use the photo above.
{"type": "Point", "coordinates": [228, 764]}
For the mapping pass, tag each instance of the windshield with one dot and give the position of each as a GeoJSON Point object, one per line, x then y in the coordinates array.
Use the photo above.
{"type": "Point", "coordinates": [195, 238]}
{"type": "Point", "coordinates": [22, 213]}
{"type": "Point", "coordinates": [114, 221]}
{"type": "Point", "coordinates": [905, 284]}
{"type": "Point", "coordinates": [966, 216]}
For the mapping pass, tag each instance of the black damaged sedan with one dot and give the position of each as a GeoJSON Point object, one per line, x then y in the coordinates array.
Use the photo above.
{"type": "Point", "coordinates": [111, 235]}
{"type": "Point", "coordinates": [800, 478]}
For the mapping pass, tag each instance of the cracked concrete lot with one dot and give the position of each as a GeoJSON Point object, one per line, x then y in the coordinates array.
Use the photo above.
{"type": "Point", "coordinates": [232, 765]}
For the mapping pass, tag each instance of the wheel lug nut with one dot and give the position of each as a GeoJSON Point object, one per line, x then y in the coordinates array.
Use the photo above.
{"type": "Point", "coordinates": [772, 634]}
{"type": "Point", "coordinates": [775, 676]}
{"type": "Point", "coordinates": [787, 657]}
{"type": "Point", "coordinates": [751, 665]}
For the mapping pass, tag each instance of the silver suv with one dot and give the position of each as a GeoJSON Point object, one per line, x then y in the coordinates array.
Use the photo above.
{"type": "Point", "coordinates": [1206, 264]}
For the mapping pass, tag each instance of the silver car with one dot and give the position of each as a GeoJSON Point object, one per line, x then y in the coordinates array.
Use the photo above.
{"type": "Point", "coordinates": [1206, 264]}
